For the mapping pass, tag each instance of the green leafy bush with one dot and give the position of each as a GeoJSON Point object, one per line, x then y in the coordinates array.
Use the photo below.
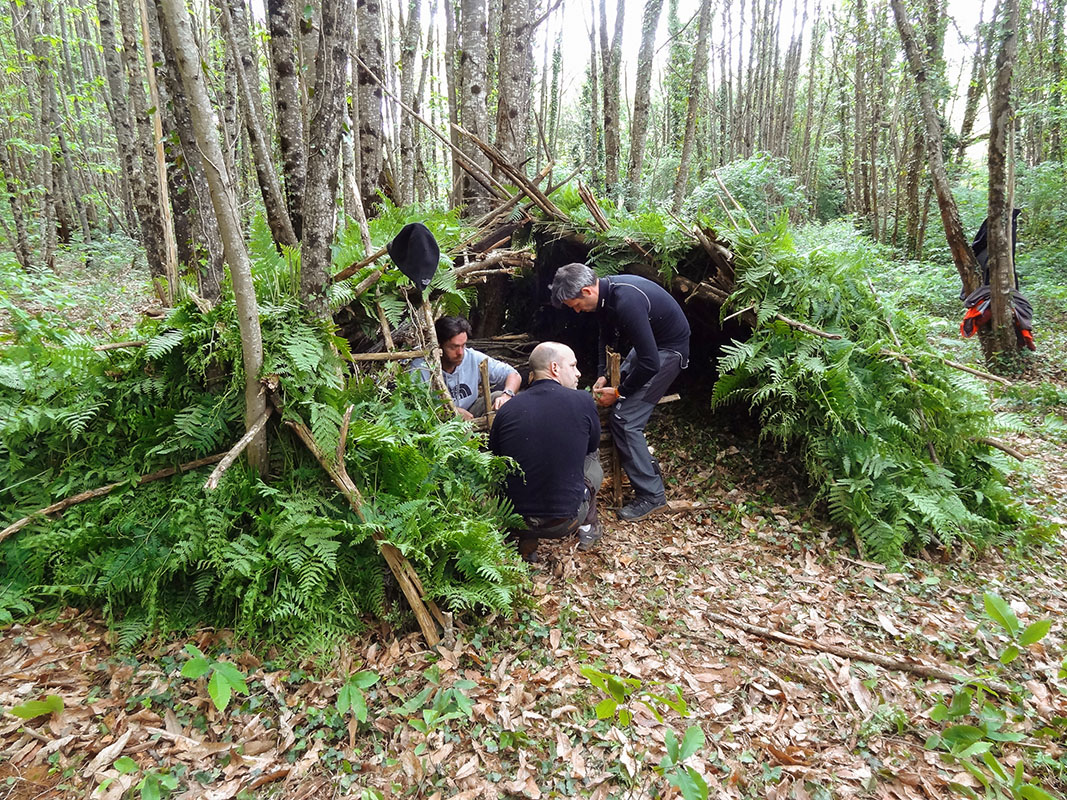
{"type": "Point", "coordinates": [283, 560]}
{"type": "Point", "coordinates": [761, 184]}
{"type": "Point", "coordinates": [864, 426]}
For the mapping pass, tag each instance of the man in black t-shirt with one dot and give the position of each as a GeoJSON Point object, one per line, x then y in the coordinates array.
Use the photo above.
{"type": "Point", "coordinates": [553, 433]}
{"type": "Point", "coordinates": [651, 320]}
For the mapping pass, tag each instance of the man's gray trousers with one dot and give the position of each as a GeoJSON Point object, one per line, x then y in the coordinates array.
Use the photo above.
{"type": "Point", "coordinates": [628, 420]}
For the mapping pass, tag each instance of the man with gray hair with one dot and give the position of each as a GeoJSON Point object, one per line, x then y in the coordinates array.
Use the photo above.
{"type": "Point", "coordinates": [552, 431]}
{"type": "Point", "coordinates": [653, 323]}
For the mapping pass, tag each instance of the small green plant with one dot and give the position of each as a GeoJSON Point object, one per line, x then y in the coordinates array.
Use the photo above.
{"type": "Point", "coordinates": [351, 697]}
{"type": "Point", "coordinates": [225, 677]}
{"type": "Point", "coordinates": [154, 783]}
{"type": "Point", "coordinates": [438, 707]}
{"type": "Point", "coordinates": [52, 704]}
{"type": "Point", "coordinates": [621, 697]}
{"type": "Point", "coordinates": [978, 716]}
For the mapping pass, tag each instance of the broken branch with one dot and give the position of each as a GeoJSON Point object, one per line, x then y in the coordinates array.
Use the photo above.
{"type": "Point", "coordinates": [212, 482]}
{"type": "Point", "coordinates": [100, 491]}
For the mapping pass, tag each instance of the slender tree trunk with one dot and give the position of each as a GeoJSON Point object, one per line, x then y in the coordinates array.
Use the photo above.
{"type": "Point", "coordinates": [409, 46]}
{"type": "Point", "coordinates": [473, 109]}
{"type": "Point", "coordinates": [595, 155]}
{"type": "Point", "coordinates": [958, 242]}
{"type": "Point", "coordinates": [975, 89]}
{"type": "Point", "coordinates": [371, 136]}
{"type": "Point", "coordinates": [324, 148]}
{"type": "Point", "coordinates": [700, 68]}
{"type": "Point", "coordinates": [21, 243]}
{"type": "Point", "coordinates": [514, 82]}
{"type": "Point", "coordinates": [204, 244]}
{"type": "Point", "coordinates": [1001, 263]}
{"type": "Point", "coordinates": [46, 125]}
{"type": "Point", "coordinates": [288, 116]}
{"type": "Point", "coordinates": [611, 59]}
{"type": "Point", "coordinates": [235, 25]}
{"type": "Point", "coordinates": [642, 101]}
{"type": "Point", "coordinates": [1055, 137]}
{"type": "Point", "coordinates": [176, 19]}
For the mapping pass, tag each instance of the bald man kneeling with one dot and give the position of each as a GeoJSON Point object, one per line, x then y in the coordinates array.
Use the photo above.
{"type": "Point", "coordinates": [552, 430]}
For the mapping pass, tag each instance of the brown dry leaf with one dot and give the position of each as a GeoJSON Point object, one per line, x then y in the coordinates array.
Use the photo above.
{"type": "Point", "coordinates": [107, 756]}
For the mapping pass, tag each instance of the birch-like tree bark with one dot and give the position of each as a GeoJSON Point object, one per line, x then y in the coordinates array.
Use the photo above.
{"type": "Point", "coordinates": [324, 148]}
{"type": "Point", "coordinates": [959, 244]}
{"type": "Point", "coordinates": [205, 126]}
{"type": "Point", "coordinates": [205, 242]}
{"type": "Point", "coordinates": [21, 243]}
{"type": "Point", "coordinates": [409, 45]}
{"type": "Point", "coordinates": [46, 123]}
{"type": "Point", "coordinates": [1001, 264]}
{"type": "Point", "coordinates": [696, 83]}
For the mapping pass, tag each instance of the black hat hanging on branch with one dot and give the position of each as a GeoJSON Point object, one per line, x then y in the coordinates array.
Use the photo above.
{"type": "Point", "coordinates": [416, 253]}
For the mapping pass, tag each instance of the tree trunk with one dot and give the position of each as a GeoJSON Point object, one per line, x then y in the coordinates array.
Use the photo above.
{"type": "Point", "coordinates": [1001, 263]}
{"type": "Point", "coordinates": [288, 116]}
{"type": "Point", "coordinates": [235, 25]}
{"type": "Point", "coordinates": [700, 68]}
{"type": "Point", "coordinates": [473, 109]}
{"type": "Point", "coordinates": [371, 137]}
{"type": "Point", "coordinates": [409, 47]}
{"type": "Point", "coordinates": [1055, 138]}
{"type": "Point", "coordinates": [21, 243]}
{"type": "Point", "coordinates": [611, 58]}
{"type": "Point", "coordinates": [975, 89]}
{"type": "Point", "coordinates": [205, 245]}
{"type": "Point", "coordinates": [45, 127]}
{"type": "Point", "coordinates": [176, 19]}
{"type": "Point", "coordinates": [642, 101]}
{"type": "Point", "coordinates": [323, 151]}
{"type": "Point", "coordinates": [514, 81]}
{"type": "Point", "coordinates": [958, 242]}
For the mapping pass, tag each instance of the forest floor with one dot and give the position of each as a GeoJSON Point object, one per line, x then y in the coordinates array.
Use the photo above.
{"type": "Point", "coordinates": [504, 710]}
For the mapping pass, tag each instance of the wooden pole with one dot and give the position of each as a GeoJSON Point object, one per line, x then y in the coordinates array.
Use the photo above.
{"type": "Point", "coordinates": [614, 376]}
{"type": "Point", "coordinates": [401, 568]}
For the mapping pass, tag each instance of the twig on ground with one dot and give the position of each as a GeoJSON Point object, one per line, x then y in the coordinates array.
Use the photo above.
{"type": "Point", "coordinates": [212, 482]}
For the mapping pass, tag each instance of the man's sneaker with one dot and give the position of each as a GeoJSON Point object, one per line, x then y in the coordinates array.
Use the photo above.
{"type": "Point", "coordinates": [588, 536]}
{"type": "Point", "coordinates": [641, 508]}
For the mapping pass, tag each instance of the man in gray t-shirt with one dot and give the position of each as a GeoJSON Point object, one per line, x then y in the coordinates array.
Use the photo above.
{"type": "Point", "coordinates": [460, 366]}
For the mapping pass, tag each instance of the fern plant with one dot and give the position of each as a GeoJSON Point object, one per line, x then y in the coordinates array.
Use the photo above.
{"type": "Point", "coordinates": [897, 456]}
{"type": "Point", "coordinates": [282, 561]}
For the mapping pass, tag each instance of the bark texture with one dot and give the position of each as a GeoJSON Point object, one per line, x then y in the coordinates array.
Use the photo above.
{"type": "Point", "coordinates": [288, 111]}
{"type": "Point", "coordinates": [325, 143]}
{"type": "Point", "coordinates": [205, 125]}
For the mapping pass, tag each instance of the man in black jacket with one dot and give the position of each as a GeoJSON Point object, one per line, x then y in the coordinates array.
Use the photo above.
{"type": "Point", "coordinates": [656, 328]}
{"type": "Point", "coordinates": [553, 433]}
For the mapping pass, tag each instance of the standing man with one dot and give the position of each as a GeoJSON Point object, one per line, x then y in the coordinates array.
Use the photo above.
{"type": "Point", "coordinates": [553, 432]}
{"type": "Point", "coordinates": [656, 328]}
{"type": "Point", "coordinates": [460, 365]}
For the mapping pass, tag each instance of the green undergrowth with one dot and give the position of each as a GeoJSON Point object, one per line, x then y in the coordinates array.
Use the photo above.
{"type": "Point", "coordinates": [863, 424]}
{"type": "Point", "coordinates": [282, 560]}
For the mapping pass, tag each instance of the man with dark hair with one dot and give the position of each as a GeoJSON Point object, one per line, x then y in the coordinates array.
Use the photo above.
{"type": "Point", "coordinates": [460, 366]}
{"type": "Point", "coordinates": [553, 433]}
{"type": "Point", "coordinates": [651, 320]}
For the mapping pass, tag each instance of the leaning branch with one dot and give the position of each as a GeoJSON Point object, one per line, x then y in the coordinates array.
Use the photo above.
{"type": "Point", "coordinates": [212, 482]}
{"type": "Point", "coordinates": [101, 491]}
